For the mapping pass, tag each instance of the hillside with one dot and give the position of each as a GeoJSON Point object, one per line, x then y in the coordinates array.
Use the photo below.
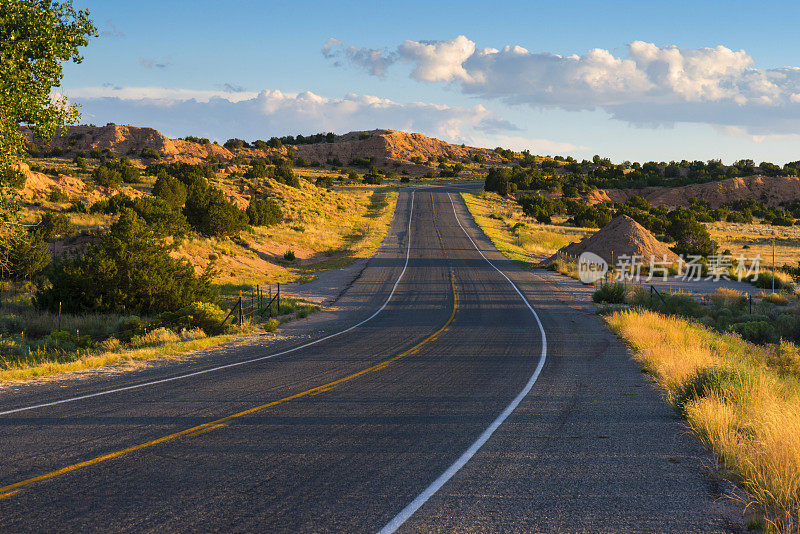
{"type": "Point", "coordinates": [378, 147]}
{"type": "Point", "coordinates": [393, 146]}
{"type": "Point", "coordinates": [772, 190]}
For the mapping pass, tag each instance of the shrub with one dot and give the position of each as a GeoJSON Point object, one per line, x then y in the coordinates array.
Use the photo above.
{"type": "Point", "coordinates": [324, 181]}
{"type": "Point", "coordinates": [284, 174]}
{"type": "Point", "coordinates": [705, 382]}
{"type": "Point", "coordinates": [150, 152]}
{"type": "Point", "coordinates": [127, 269]}
{"type": "Point", "coordinates": [77, 206]}
{"type": "Point", "coordinates": [264, 212]}
{"type": "Point", "coordinates": [170, 189]}
{"type": "Point", "coordinates": [758, 332]}
{"type": "Point", "coordinates": [272, 325]}
{"type": "Point", "coordinates": [27, 254]}
{"type": "Point", "coordinates": [162, 217]}
{"type": "Point", "coordinates": [57, 195]}
{"type": "Point", "coordinates": [53, 225]}
{"type": "Point", "coordinates": [776, 299]}
{"type": "Point", "coordinates": [211, 214]}
{"type": "Point", "coordinates": [203, 315]}
{"type": "Point", "coordinates": [785, 357]}
{"type": "Point", "coordinates": [289, 255]}
{"type": "Point", "coordinates": [232, 144]}
{"type": "Point", "coordinates": [372, 177]}
{"type": "Point", "coordinates": [113, 173]}
{"type": "Point", "coordinates": [610, 292]}
{"type": "Point", "coordinates": [765, 280]}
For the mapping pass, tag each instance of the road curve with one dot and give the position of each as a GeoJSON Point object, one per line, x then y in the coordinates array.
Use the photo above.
{"type": "Point", "coordinates": [368, 427]}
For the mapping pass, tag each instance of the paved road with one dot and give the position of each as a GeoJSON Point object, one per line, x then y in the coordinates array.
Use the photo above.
{"type": "Point", "coordinates": [439, 413]}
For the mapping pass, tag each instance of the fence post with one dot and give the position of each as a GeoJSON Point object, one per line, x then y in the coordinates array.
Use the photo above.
{"type": "Point", "coordinates": [59, 315]}
{"type": "Point", "coordinates": [279, 299]}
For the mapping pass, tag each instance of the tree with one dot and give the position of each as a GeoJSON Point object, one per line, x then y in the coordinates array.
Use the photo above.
{"type": "Point", "coordinates": [211, 214]}
{"type": "Point", "coordinates": [126, 270]}
{"type": "Point", "coordinates": [28, 255]}
{"type": "Point", "coordinates": [264, 212]}
{"type": "Point", "coordinates": [170, 189]}
{"type": "Point", "coordinates": [691, 237]}
{"type": "Point", "coordinates": [36, 36]}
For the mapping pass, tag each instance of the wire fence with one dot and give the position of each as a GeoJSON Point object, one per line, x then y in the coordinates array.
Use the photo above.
{"type": "Point", "coordinates": [259, 302]}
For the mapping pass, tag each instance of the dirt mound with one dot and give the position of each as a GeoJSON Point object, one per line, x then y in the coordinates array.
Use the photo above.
{"type": "Point", "coordinates": [383, 145]}
{"type": "Point", "coordinates": [622, 236]}
{"type": "Point", "coordinates": [771, 190]}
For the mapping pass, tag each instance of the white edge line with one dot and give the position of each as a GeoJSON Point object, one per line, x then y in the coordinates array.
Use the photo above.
{"type": "Point", "coordinates": [436, 485]}
{"type": "Point", "coordinates": [245, 362]}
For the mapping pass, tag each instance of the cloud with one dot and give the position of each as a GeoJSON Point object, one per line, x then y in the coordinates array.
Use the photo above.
{"type": "Point", "coordinates": [233, 88]}
{"type": "Point", "coordinates": [329, 49]}
{"type": "Point", "coordinates": [150, 63]}
{"type": "Point", "coordinates": [111, 31]}
{"type": "Point", "coordinates": [651, 85]}
{"type": "Point", "coordinates": [222, 115]}
{"type": "Point", "coordinates": [536, 146]}
{"type": "Point", "coordinates": [373, 60]}
{"type": "Point", "coordinates": [438, 61]}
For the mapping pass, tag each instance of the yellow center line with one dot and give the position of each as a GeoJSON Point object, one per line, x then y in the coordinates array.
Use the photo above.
{"type": "Point", "coordinates": [11, 489]}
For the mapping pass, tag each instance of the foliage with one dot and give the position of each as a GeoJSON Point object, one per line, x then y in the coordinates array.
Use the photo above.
{"type": "Point", "coordinates": [113, 173]}
{"type": "Point", "coordinates": [373, 177]}
{"type": "Point", "coordinates": [170, 189]}
{"type": "Point", "coordinates": [150, 153]}
{"type": "Point", "coordinates": [210, 213]}
{"type": "Point", "coordinates": [264, 212]}
{"type": "Point", "coordinates": [128, 270]}
{"type": "Point", "coordinates": [289, 255]}
{"type": "Point", "coordinates": [324, 181]}
{"type": "Point", "coordinates": [283, 173]}
{"type": "Point", "coordinates": [204, 315]}
{"type": "Point", "coordinates": [610, 292]}
{"type": "Point", "coordinates": [53, 225]}
{"type": "Point", "coordinates": [35, 38]}
{"type": "Point", "coordinates": [28, 255]}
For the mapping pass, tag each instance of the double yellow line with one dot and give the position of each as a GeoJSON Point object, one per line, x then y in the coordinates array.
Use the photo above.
{"type": "Point", "coordinates": [12, 489]}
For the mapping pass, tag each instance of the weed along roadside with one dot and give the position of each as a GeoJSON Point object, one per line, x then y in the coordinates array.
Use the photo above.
{"type": "Point", "coordinates": [168, 295]}
{"type": "Point", "coordinates": [728, 361]}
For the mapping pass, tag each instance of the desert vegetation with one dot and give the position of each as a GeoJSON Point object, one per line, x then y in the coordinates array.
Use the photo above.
{"type": "Point", "coordinates": [742, 399]}
{"type": "Point", "coordinates": [143, 258]}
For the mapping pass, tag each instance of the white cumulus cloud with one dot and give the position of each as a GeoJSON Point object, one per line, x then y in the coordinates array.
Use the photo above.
{"type": "Point", "coordinates": [649, 85]}
{"type": "Point", "coordinates": [223, 114]}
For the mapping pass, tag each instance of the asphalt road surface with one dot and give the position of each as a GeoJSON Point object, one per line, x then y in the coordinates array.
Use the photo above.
{"type": "Point", "coordinates": [452, 391]}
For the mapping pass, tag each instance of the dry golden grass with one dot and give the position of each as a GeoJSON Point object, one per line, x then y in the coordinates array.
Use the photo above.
{"type": "Point", "coordinates": [158, 348]}
{"type": "Point", "coordinates": [758, 240]}
{"type": "Point", "coordinates": [743, 407]}
{"type": "Point", "coordinates": [517, 236]}
{"type": "Point", "coordinates": [325, 229]}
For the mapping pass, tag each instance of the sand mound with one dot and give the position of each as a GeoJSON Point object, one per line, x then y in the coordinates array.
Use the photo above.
{"type": "Point", "coordinates": [621, 236]}
{"type": "Point", "coordinates": [771, 190]}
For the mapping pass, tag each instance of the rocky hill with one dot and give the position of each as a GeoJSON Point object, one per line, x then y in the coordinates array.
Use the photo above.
{"type": "Point", "coordinates": [392, 145]}
{"type": "Point", "coordinates": [772, 190]}
{"type": "Point", "coordinates": [381, 146]}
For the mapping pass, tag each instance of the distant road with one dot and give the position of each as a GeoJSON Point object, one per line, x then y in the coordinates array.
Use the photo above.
{"type": "Point", "coordinates": [471, 396]}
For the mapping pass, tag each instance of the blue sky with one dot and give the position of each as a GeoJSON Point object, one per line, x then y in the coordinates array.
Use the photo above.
{"type": "Point", "coordinates": [197, 68]}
